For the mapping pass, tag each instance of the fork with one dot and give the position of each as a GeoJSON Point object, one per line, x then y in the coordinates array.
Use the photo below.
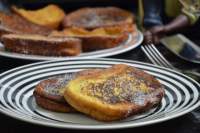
{"type": "Point", "coordinates": [156, 57]}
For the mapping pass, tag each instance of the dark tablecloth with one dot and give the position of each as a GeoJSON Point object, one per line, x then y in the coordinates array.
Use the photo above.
{"type": "Point", "coordinates": [189, 123]}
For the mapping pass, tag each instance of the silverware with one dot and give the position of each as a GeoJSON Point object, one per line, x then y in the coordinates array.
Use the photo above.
{"type": "Point", "coordinates": [182, 47]}
{"type": "Point", "coordinates": [157, 58]}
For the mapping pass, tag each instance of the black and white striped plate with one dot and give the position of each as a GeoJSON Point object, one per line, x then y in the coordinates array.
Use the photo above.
{"type": "Point", "coordinates": [16, 95]}
{"type": "Point", "coordinates": [132, 42]}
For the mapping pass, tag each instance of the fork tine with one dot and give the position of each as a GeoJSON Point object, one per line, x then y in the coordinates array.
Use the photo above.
{"type": "Point", "coordinates": [156, 56]}
{"type": "Point", "coordinates": [161, 57]}
{"type": "Point", "coordinates": [149, 55]}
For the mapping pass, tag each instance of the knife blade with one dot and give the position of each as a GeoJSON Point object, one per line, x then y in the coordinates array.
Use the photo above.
{"type": "Point", "coordinates": [182, 47]}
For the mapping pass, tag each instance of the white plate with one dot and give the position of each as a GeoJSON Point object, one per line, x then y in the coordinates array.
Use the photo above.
{"type": "Point", "coordinates": [132, 42]}
{"type": "Point", "coordinates": [16, 95]}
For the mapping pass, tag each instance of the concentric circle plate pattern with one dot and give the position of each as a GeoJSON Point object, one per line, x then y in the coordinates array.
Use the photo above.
{"type": "Point", "coordinates": [17, 85]}
{"type": "Point", "coordinates": [133, 41]}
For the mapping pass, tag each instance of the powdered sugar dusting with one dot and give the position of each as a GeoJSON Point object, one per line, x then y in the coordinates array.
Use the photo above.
{"type": "Point", "coordinates": [58, 82]}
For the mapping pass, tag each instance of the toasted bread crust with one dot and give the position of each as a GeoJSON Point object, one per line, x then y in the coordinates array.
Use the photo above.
{"type": "Point", "coordinates": [102, 42]}
{"type": "Point", "coordinates": [12, 23]}
{"type": "Point", "coordinates": [53, 105]}
{"type": "Point", "coordinates": [48, 93]}
{"type": "Point", "coordinates": [100, 38]}
{"type": "Point", "coordinates": [41, 45]}
{"type": "Point", "coordinates": [92, 43]}
{"type": "Point", "coordinates": [49, 88]}
{"type": "Point", "coordinates": [91, 18]}
{"type": "Point", "coordinates": [101, 105]}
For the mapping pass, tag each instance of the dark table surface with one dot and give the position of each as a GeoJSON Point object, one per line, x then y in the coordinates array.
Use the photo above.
{"type": "Point", "coordinates": [189, 123]}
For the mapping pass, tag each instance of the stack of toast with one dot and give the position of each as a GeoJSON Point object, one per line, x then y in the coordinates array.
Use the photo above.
{"type": "Point", "coordinates": [107, 94]}
{"type": "Point", "coordinates": [49, 31]}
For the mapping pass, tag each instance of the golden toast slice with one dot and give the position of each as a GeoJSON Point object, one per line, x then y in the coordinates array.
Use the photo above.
{"type": "Point", "coordinates": [91, 18]}
{"type": "Point", "coordinates": [12, 23]}
{"type": "Point", "coordinates": [99, 38]}
{"type": "Point", "coordinates": [47, 92]}
{"type": "Point", "coordinates": [41, 45]}
{"type": "Point", "coordinates": [49, 16]}
{"type": "Point", "coordinates": [114, 93]}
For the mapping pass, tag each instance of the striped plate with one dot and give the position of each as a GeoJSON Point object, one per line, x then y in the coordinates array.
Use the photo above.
{"type": "Point", "coordinates": [16, 95]}
{"type": "Point", "coordinates": [133, 41]}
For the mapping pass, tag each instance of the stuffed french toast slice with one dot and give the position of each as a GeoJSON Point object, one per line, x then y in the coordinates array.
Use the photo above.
{"type": "Point", "coordinates": [114, 93]}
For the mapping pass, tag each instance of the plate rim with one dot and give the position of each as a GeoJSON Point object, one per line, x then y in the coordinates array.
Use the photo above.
{"type": "Point", "coordinates": [46, 58]}
{"type": "Point", "coordinates": [107, 126]}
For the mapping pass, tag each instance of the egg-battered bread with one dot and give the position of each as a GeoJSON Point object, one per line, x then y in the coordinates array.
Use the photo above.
{"type": "Point", "coordinates": [41, 45]}
{"type": "Point", "coordinates": [12, 23]}
{"type": "Point", "coordinates": [99, 38]}
{"type": "Point", "coordinates": [92, 18]}
{"type": "Point", "coordinates": [49, 16]}
{"type": "Point", "coordinates": [49, 95]}
{"type": "Point", "coordinates": [114, 93]}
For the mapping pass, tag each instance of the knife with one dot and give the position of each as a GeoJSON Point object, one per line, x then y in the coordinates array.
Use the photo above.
{"type": "Point", "coordinates": [182, 47]}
